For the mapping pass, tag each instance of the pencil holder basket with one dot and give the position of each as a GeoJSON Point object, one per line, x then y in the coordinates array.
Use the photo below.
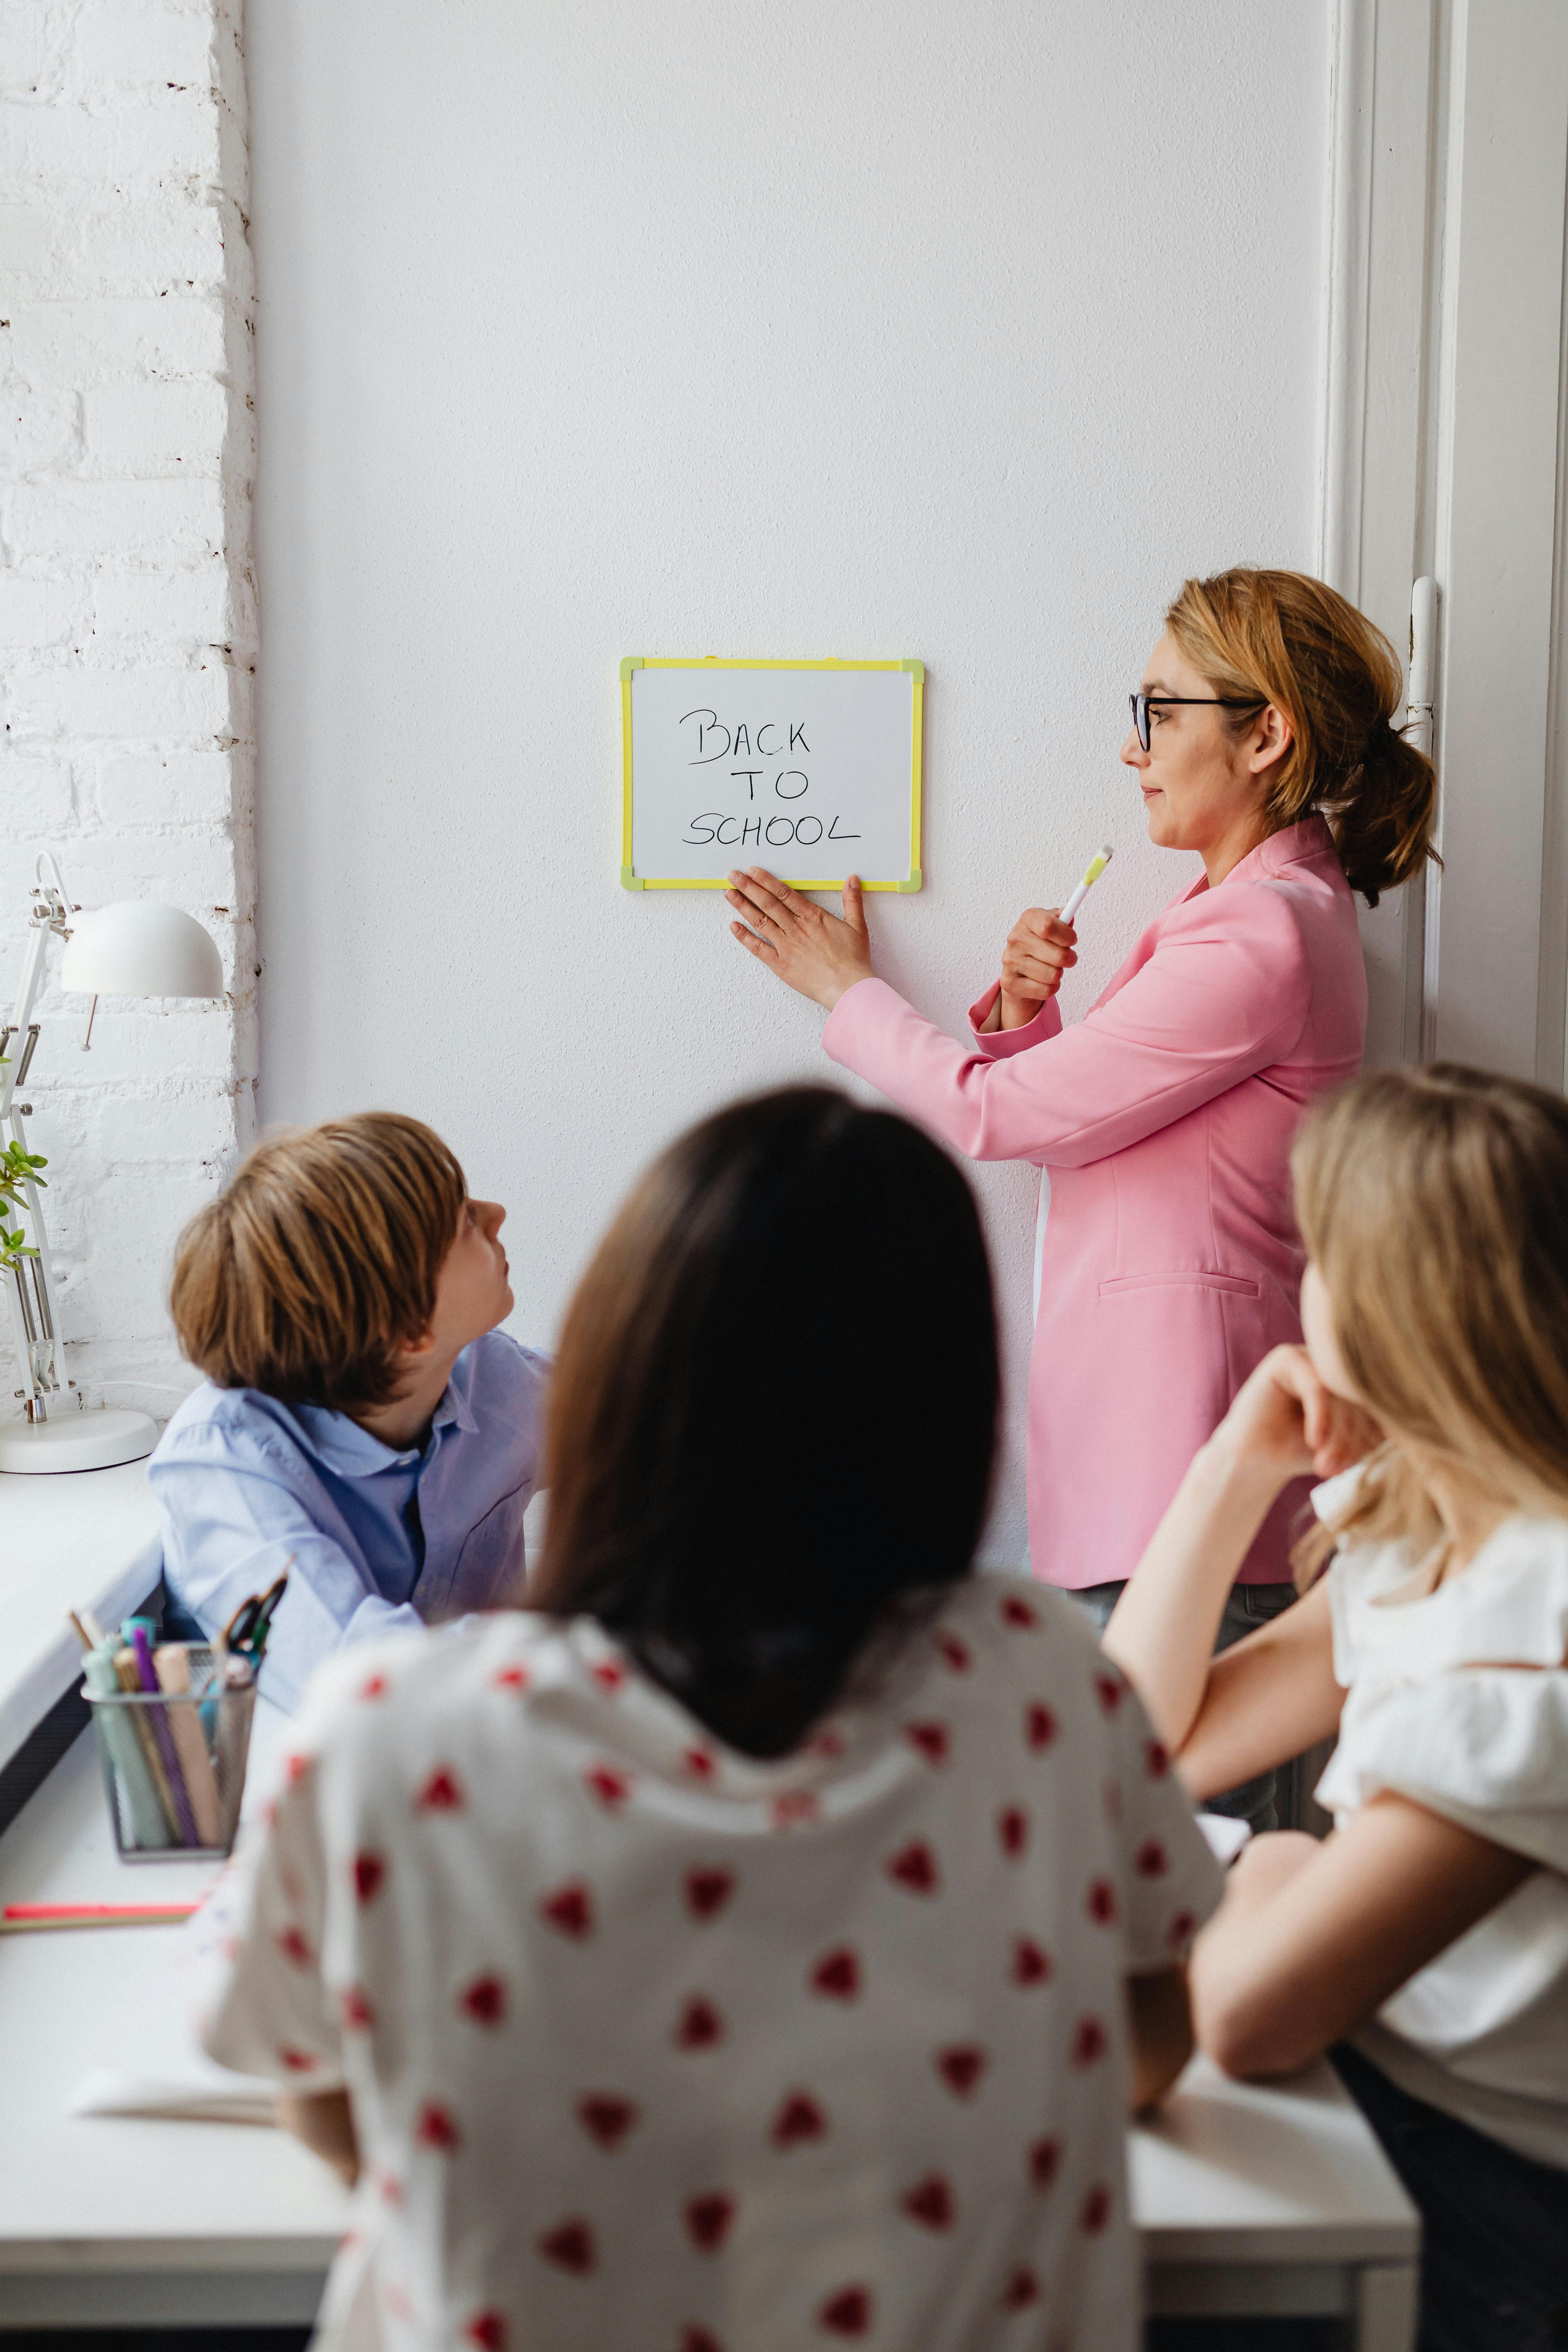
{"type": "Point", "coordinates": [174, 1760]}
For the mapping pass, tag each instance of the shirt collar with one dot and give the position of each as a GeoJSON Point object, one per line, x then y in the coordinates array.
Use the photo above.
{"type": "Point", "coordinates": [353, 1453]}
{"type": "Point", "coordinates": [1293, 844]}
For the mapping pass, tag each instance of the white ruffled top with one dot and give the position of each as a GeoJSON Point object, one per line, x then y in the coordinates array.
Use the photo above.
{"type": "Point", "coordinates": [1459, 1701]}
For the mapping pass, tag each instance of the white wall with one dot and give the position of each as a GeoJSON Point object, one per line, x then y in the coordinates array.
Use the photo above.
{"type": "Point", "coordinates": [957, 331]}
{"type": "Point", "coordinates": [127, 623]}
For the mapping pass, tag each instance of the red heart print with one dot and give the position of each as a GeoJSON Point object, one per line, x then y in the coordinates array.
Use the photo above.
{"type": "Point", "coordinates": [297, 1768]}
{"type": "Point", "coordinates": [914, 1866]}
{"type": "Point", "coordinates": [1088, 2041]}
{"type": "Point", "coordinates": [1150, 1859]}
{"type": "Point", "coordinates": [1109, 1690]}
{"type": "Point", "coordinates": [398, 2300]}
{"type": "Point", "coordinates": [297, 2061]}
{"type": "Point", "coordinates": [1031, 1961]}
{"type": "Point", "coordinates": [931, 2203]}
{"type": "Point", "coordinates": [511, 1678]}
{"type": "Point", "coordinates": [488, 2330]}
{"type": "Point", "coordinates": [610, 1788]}
{"type": "Point", "coordinates": [485, 2000]}
{"type": "Point", "coordinates": [390, 2187]}
{"type": "Point", "coordinates": [1096, 2210]}
{"type": "Point", "coordinates": [1157, 1759]}
{"type": "Point", "coordinates": [955, 1651]}
{"type": "Point", "coordinates": [357, 2013]}
{"type": "Point", "coordinates": [931, 1738]}
{"type": "Point", "coordinates": [606, 2117]}
{"type": "Point", "coordinates": [1100, 1903]}
{"type": "Point", "coordinates": [838, 1974]}
{"type": "Point", "coordinates": [442, 1792]}
{"type": "Point", "coordinates": [707, 2220]}
{"type": "Point", "coordinates": [828, 1743]}
{"type": "Point", "coordinates": [960, 2067]}
{"type": "Point", "coordinates": [1045, 2162]}
{"type": "Point", "coordinates": [699, 2024]}
{"type": "Point", "coordinates": [708, 1891]}
{"type": "Point", "coordinates": [800, 2118]}
{"type": "Point", "coordinates": [294, 1948]}
{"type": "Point", "coordinates": [700, 1764]}
{"type": "Point", "coordinates": [847, 2313]}
{"type": "Point", "coordinates": [1013, 1829]}
{"type": "Point", "coordinates": [1039, 1724]}
{"type": "Point", "coordinates": [697, 2340]}
{"type": "Point", "coordinates": [1017, 1611]}
{"type": "Point", "coordinates": [570, 1909]}
{"type": "Point", "coordinates": [1021, 2290]}
{"type": "Point", "coordinates": [793, 1806]}
{"type": "Point", "coordinates": [374, 1687]}
{"type": "Point", "coordinates": [437, 2128]}
{"type": "Point", "coordinates": [1181, 1930]}
{"type": "Point", "coordinates": [571, 2246]}
{"type": "Point", "coordinates": [369, 1872]}
{"type": "Point", "coordinates": [609, 1675]}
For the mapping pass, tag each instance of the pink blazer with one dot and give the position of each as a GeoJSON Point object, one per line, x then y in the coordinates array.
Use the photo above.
{"type": "Point", "coordinates": [1171, 1262]}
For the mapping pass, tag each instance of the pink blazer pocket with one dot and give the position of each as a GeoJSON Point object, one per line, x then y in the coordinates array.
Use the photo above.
{"type": "Point", "coordinates": [1197, 1278]}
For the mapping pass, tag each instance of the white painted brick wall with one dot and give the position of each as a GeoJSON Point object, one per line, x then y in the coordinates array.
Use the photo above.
{"type": "Point", "coordinates": [128, 624]}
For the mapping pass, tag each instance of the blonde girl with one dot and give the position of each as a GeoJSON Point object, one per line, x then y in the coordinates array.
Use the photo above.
{"type": "Point", "coordinates": [1425, 1943]}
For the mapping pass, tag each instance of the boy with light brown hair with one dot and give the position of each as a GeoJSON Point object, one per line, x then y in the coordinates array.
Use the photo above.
{"type": "Point", "coordinates": [362, 1417]}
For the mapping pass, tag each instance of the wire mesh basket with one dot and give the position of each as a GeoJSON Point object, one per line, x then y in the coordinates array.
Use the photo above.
{"type": "Point", "coordinates": [174, 1759]}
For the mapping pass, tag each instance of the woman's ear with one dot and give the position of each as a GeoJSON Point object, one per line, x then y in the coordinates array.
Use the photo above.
{"type": "Point", "coordinates": [1271, 739]}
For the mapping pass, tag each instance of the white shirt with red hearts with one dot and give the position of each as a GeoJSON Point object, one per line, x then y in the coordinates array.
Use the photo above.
{"type": "Point", "coordinates": [653, 2045]}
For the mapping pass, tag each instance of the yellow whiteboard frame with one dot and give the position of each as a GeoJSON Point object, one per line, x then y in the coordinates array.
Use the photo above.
{"type": "Point", "coordinates": [632, 881]}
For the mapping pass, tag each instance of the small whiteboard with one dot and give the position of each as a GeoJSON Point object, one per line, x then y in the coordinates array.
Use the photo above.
{"type": "Point", "coordinates": [810, 768]}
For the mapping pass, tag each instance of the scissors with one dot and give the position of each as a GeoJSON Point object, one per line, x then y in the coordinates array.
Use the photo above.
{"type": "Point", "coordinates": [245, 1635]}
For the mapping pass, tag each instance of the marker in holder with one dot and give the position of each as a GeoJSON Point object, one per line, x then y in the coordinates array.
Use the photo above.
{"type": "Point", "coordinates": [174, 1756]}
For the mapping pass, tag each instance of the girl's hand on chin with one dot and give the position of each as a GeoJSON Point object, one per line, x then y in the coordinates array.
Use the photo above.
{"type": "Point", "coordinates": [1285, 1420]}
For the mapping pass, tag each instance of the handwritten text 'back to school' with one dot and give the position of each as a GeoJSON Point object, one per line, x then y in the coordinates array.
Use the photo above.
{"type": "Point", "coordinates": [764, 779]}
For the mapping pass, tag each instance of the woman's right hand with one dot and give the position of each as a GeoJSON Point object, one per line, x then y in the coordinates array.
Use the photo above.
{"type": "Point", "coordinates": [1284, 1420]}
{"type": "Point", "coordinates": [1040, 948]}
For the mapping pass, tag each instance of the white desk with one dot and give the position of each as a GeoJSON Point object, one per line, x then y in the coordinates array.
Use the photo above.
{"type": "Point", "coordinates": [80, 1539]}
{"type": "Point", "coordinates": [1248, 2200]}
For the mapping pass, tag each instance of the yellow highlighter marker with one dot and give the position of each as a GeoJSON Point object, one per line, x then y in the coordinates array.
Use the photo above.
{"type": "Point", "coordinates": [1092, 872]}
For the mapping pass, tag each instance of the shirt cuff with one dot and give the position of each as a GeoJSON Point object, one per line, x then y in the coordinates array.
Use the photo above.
{"type": "Point", "coordinates": [997, 1044]}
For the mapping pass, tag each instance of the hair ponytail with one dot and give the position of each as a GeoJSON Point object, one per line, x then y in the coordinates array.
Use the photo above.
{"type": "Point", "coordinates": [1280, 637]}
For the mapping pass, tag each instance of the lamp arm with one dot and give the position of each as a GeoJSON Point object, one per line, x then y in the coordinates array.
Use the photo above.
{"type": "Point", "coordinates": [30, 1285]}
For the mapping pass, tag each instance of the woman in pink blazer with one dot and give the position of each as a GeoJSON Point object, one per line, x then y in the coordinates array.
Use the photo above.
{"type": "Point", "coordinates": [1163, 1119]}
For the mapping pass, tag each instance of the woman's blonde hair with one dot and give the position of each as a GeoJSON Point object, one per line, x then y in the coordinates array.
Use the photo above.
{"type": "Point", "coordinates": [317, 1266]}
{"type": "Point", "coordinates": [1279, 637]}
{"type": "Point", "coordinates": [1435, 1206]}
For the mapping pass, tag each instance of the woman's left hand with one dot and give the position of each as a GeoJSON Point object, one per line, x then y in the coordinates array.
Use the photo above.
{"type": "Point", "coordinates": [817, 955]}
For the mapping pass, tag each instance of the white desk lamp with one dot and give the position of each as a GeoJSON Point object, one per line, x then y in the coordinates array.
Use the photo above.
{"type": "Point", "coordinates": [137, 948]}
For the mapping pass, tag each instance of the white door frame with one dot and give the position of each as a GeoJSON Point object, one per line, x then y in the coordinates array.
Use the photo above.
{"type": "Point", "coordinates": [1442, 432]}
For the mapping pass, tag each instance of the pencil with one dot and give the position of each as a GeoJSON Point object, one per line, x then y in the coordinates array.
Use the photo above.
{"type": "Point", "coordinates": [33, 1918]}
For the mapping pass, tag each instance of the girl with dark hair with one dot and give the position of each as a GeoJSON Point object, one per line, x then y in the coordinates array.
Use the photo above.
{"type": "Point", "coordinates": [1264, 740]}
{"type": "Point", "coordinates": [757, 1942]}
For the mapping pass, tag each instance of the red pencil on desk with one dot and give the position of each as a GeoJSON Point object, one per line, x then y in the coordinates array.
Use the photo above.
{"type": "Point", "coordinates": [18, 1918]}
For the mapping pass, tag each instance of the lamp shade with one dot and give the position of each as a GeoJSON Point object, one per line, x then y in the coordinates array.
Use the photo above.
{"type": "Point", "coordinates": [141, 948]}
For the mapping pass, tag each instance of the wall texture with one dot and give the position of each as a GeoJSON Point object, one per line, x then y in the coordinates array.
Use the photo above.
{"type": "Point", "coordinates": [962, 332]}
{"type": "Point", "coordinates": [128, 617]}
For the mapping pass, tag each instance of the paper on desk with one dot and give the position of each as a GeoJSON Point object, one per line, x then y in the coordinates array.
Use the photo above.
{"type": "Point", "coordinates": [186, 2087]}
{"type": "Point", "coordinates": [1226, 1837]}
{"type": "Point", "coordinates": [172, 2076]}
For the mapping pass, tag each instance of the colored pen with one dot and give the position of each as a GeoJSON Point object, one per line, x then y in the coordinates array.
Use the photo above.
{"type": "Point", "coordinates": [1092, 872]}
{"type": "Point", "coordinates": [29, 1919]}
{"type": "Point", "coordinates": [134, 1630]}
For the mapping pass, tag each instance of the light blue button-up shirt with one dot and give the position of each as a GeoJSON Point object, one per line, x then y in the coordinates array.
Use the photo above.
{"type": "Point", "coordinates": [381, 1538]}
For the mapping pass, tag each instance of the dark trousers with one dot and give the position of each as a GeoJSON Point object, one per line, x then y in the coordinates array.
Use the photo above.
{"type": "Point", "coordinates": [1494, 2226]}
{"type": "Point", "coordinates": [1250, 1606]}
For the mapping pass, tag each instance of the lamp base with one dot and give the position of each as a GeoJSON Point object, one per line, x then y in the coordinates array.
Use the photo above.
{"type": "Point", "coordinates": [78, 1441]}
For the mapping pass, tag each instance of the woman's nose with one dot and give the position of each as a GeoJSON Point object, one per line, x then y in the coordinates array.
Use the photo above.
{"type": "Point", "coordinates": [1133, 754]}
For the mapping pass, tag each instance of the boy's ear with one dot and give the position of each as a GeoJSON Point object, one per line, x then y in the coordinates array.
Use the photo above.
{"type": "Point", "coordinates": [414, 1348]}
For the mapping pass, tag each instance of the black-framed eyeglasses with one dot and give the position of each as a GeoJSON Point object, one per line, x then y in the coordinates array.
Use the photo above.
{"type": "Point", "coordinates": [1143, 703]}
